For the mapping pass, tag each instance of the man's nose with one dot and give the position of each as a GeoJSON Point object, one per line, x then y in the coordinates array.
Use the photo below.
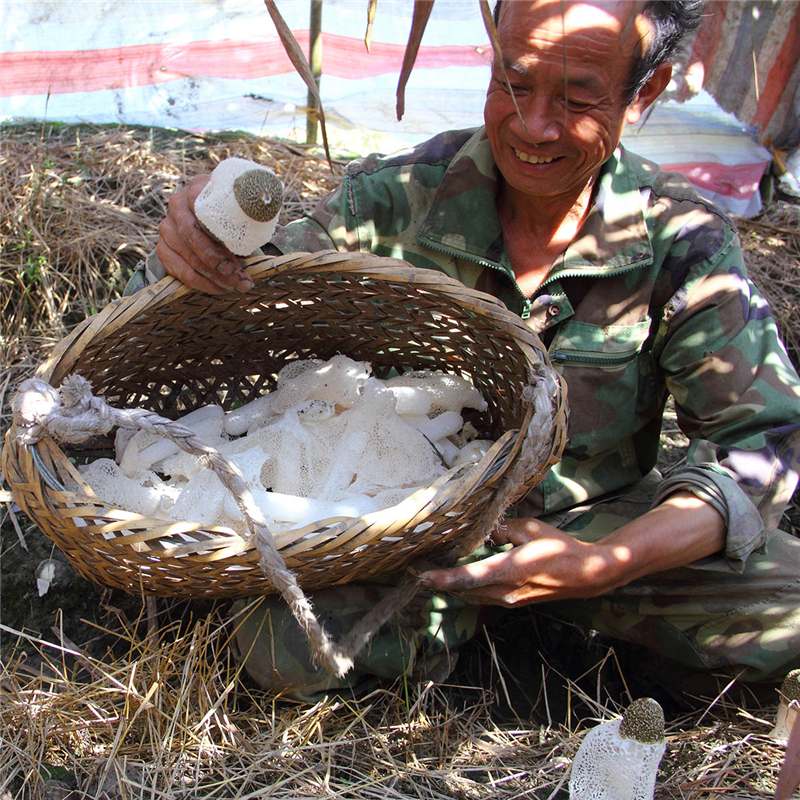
{"type": "Point", "coordinates": [540, 119]}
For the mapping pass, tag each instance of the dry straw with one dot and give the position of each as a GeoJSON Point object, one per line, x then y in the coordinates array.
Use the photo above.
{"type": "Point", "coordinates": [81, 204]}
{"type": "Point", "coordinates": [771, 245]}
{"type": "Point", "coordinates": [171, 719]}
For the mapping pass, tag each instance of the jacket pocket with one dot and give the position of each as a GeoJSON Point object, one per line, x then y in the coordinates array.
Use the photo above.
{"type": "Point", "coordinates": [602, 369]}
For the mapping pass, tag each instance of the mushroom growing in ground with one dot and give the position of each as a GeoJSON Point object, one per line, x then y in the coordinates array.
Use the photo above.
{"type": "Point", "coordinates": [239, 205]}
{"type": "Point", "coordinates": [787, 708]}
{"type": "Point", "coordinates": [619, 760]}
{"type": "Point", "coordinates": [789, 776]}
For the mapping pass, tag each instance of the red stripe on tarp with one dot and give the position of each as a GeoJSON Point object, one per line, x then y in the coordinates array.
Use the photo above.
{"type": "Point", "coordinates": [779, 74]}
{"type": "Point", "coordinates": [65, 71]}
{"type": "Point", "coordinates": [732, 180]}
{"type": "Point", "coordinates": [709, 35]}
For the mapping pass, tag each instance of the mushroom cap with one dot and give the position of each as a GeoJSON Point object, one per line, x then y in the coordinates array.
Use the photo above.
{"type": "Point", "coordinates": [259, 193]}
{"type": "Point", "coordinates": [643, 721]}
{"type": "Point", "coordinates": [790, 688]}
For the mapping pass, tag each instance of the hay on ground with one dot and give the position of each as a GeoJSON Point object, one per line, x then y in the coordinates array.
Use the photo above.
{"type": "Point", "coordinates": [80, 205]}
{"type": "Point", "coordinates": [170, 718]}
{"type": "Point", "coordinates": [771, 245]}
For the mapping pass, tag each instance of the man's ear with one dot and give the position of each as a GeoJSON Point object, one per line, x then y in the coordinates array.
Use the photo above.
{"type": "Point", "coordinates": [649, 92]}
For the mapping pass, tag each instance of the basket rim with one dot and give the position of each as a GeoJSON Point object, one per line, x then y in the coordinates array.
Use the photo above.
{"type": "Point", "coordinates": [455, 480]}
{"type": "Point", "coordinates": [121, 311]}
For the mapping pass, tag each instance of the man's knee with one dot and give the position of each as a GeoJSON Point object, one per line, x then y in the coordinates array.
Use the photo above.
{"type": "Point", "coordinates": [421, 643]}
{"type": "Point", "coordinates": [706, 616]}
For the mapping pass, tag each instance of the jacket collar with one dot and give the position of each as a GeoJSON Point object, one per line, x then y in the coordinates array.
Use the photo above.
{"type": "Point", "coordinates": [462, 219]}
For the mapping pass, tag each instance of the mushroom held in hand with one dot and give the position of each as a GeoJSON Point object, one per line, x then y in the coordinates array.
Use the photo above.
{"type": "Point", "coordinates": [619, 760]}
{"type": "Point", "coordinates": [787, 709]}
{"type": "Point", "coordinates": [240, 205]}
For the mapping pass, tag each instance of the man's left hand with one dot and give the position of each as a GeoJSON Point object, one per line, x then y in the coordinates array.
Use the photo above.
{"type": "Point", "coordinates": [543, 564]}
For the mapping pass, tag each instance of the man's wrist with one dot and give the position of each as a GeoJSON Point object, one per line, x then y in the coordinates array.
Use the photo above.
{"type": "Point", "coordinates": [608, 567]}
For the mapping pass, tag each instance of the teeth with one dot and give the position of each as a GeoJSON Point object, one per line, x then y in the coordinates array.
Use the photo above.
{"type": "Point", "coordinates": [531, 159]}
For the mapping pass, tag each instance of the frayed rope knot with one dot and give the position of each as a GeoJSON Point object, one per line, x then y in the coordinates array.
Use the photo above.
{"type": "Point", "coordinates": [71, 414]}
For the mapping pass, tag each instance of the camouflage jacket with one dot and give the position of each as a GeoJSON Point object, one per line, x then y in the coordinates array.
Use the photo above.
{"type": "Point", "coordinates": [650, 299]}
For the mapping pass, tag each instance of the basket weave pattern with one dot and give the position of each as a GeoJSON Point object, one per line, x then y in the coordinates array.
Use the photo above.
{"type": "Point", "coordinates": [171, 350]}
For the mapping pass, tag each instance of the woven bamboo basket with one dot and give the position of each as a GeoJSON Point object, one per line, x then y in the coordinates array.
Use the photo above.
{"type": "Point", "coordinates": [171, 350]}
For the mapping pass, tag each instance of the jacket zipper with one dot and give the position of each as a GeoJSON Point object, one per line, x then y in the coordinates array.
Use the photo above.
{"type": "Point", "coordinates": [526, 303]}
{"type": "Point", "coordinates": [577, 273]}
{"type": "Point", "coordinates": [591, 359]}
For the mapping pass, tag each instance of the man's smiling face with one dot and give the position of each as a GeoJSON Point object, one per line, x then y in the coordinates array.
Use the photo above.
{"type": "Point", "coordinates": [567, 64]}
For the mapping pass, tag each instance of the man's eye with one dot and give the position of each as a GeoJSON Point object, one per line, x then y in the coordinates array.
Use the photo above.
{"type": "Point", "coordinates": [579, 105]}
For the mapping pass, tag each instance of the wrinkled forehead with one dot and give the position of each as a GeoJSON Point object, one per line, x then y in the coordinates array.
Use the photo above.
{"type": "Point", "coordinates": [594, 26]}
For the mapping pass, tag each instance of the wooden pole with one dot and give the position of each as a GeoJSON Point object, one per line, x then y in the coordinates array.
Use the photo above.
{"type": "Point", "coordinates": [315, 62]}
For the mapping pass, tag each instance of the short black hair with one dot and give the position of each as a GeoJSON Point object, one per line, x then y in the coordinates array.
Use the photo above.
{"type": "Point", "coordinates": [672, 20]}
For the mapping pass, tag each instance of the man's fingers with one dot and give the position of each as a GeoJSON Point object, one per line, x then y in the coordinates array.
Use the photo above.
{"type": "Point", "coordinates": [187, 251]}
{"type": "Point", "coordinates": [519, 534]}
{"type": "Point", "coordinates": [182, 232]}
{"type": "Point", "coordinates": [210, 254]}
{"type": "Point", "coordinates": [195, 187]}
{"type": "Point", "coordinates": [179, 262]}
{"type": "Point", "coordinates": [213, 261]}
{"type": "Point", "coordinates": [520, 531]}
{"type": "Point", "coordinates": [189, 276]}
{"type": "Point", "coordinates": [476, 583]}
{"type": "Point", "coordinates": [500, 534]}
{"type": "Point", "coordinates": [470, 576]}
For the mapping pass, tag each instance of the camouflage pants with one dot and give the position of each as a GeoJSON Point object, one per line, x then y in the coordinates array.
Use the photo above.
{"type": "Point", "coordinates": [704, 616]}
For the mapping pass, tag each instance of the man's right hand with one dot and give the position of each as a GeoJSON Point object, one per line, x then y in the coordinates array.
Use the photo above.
{"type": "Point", "coordinates": [189, 254]}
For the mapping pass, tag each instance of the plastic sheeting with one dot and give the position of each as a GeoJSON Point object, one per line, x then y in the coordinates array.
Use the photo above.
{"type": "Point", "coordinates": [200, 64]}
{"type": "Point", "coordinates": [747, 55]}
{"type": "Point", "coordinates": [219, 65]}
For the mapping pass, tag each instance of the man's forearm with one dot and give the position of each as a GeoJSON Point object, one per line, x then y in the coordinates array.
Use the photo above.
{"type": "Point", "coordinates": [675, 533]}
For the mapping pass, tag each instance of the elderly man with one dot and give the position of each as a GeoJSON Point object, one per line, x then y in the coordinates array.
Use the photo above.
{"type": "Point", "coordinates": [637, 287]}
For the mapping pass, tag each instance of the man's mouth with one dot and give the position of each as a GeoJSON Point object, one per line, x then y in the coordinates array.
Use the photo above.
{"type": "Point", "coordinates": [529, 159]}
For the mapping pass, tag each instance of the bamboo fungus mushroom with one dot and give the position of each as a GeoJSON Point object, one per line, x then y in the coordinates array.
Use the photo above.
{"type": "Point", "coordinates": [619, 760]}
{"type": "Point", "coordinates": [239, 205]}
{"type": "Point", "coordinates": [144, 450]}
{"type": "Point", "coordinates": [337, 381]}
{"type": "Point", "coordinates": [472, 452]}
{"type": "Point", "coordinates": [448, 392]}
{"type": "Point", "coordinates": [329, 441]}
{"type": "Point", "coordinates": [787, 708]}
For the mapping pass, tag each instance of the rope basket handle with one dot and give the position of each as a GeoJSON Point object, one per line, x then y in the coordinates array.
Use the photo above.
{"type": "Point", "coordinates": [73, 414]}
